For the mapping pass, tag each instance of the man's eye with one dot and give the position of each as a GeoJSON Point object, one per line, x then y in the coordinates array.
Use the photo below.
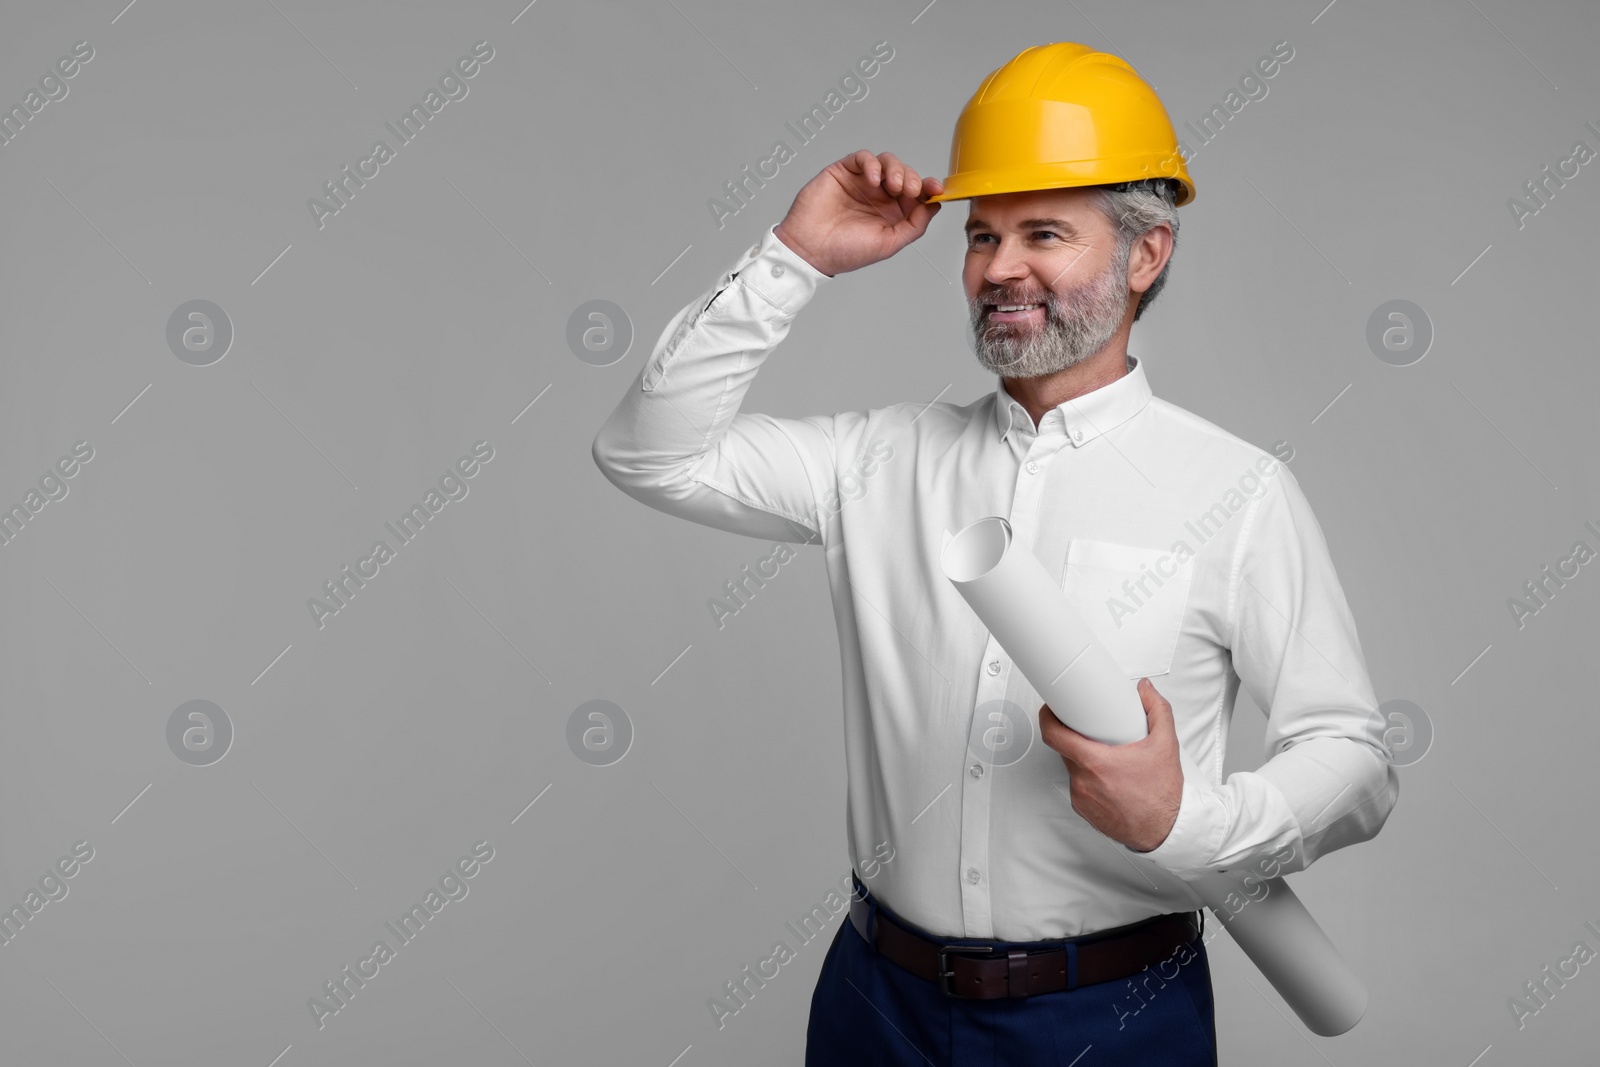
{"type": "Point", "coordinates": [980, 237]}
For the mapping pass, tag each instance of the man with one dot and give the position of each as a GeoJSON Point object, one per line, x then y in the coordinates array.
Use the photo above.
{"type": "Point", "coordinates": [1036, 906]}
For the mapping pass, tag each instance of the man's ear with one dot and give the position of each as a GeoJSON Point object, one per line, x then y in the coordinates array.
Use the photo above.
{"type": "Point", "coordinates": [1148, 256]}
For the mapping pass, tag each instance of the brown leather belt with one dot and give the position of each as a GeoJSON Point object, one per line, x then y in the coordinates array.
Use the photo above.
{"type": "Point", "coordinates": [989, 972]}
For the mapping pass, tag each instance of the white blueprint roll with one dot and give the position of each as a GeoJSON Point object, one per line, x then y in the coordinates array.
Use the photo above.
{"type": "Point", "coordinates": [1029, 615]}
{"type": "Point", "coordinates": [1291, 951]}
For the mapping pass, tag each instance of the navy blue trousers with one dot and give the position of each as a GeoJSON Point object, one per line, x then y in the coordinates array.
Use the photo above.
{"type": "Point", "coordinates": [869, 1011]}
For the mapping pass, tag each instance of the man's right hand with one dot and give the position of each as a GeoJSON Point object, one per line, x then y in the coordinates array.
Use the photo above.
{"type": "Point", "coordinates": [857, 211]}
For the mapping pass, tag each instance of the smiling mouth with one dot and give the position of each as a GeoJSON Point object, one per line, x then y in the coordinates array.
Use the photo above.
{"type": "Point", "coordinates": [1012, 312]}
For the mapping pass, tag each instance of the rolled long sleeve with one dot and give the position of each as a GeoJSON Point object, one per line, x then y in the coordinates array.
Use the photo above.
{"type": "Point", "coordinates": [1328, 782]}
{"type": "Point", "coordinates": [678, 441]}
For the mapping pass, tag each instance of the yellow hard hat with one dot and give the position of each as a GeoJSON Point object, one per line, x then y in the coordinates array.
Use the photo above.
{"type": "Point", "coordinates": [1058, 116]}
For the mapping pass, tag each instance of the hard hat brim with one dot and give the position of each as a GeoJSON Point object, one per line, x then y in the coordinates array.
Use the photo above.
{"type": "Point", "coordinates": [1040, 177]}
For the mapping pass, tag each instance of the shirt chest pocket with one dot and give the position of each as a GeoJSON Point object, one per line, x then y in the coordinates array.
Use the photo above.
{"type": "Point", "coordinates": [1132, 597]}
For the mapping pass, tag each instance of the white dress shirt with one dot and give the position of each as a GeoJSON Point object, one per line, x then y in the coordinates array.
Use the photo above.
{"type": "Point", "coordinates": [941, 737]}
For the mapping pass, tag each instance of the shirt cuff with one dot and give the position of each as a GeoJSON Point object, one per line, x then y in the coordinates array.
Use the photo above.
{"type": "Point", "coordinates": [1196, 834]}
{"type": "Point", "coordinates": [778, 274]}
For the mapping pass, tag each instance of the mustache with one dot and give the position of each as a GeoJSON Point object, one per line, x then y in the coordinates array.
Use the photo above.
{"type": "Point", "coordinates": [998, 297]}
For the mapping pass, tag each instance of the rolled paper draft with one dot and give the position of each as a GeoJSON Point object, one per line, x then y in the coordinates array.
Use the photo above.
{"type": "Point", "coordinates": [1027, 612]}
{"type": "Point", "coordinates": [1290, 950]}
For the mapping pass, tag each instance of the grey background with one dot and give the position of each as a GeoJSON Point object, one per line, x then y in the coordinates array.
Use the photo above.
{"type": "Point", "coordinates": [426, 316]}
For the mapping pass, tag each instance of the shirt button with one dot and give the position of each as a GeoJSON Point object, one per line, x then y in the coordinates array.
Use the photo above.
{"type": "Point", "coordinates": [994, 666]}
{"type": "Point", "coordinates": [755, 249]}
{"type": "Point", "coordinates": [1033, 468]}
{"type": "Point", "coordinates": [1077, 435]}
{"type": "Point", "coordinates": [777, 271]}
{"type": "Point", "coordinates": [977, 770]}
{"type": "Point", "coordinates": [973, 876]}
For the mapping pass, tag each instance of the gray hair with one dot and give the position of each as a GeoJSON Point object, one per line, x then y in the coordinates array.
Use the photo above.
{"type": "Point", "coordinates": [1135, 208]}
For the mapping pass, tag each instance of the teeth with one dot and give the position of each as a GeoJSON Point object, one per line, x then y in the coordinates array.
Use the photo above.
{"type": "Point", "coordinates": [1015, 307]}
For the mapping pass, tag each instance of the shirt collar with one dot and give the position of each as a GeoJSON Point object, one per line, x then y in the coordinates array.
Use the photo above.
{"type": "Point", "coordinates": [1083, 418]}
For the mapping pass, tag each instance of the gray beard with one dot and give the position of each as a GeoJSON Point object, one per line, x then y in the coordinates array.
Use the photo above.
{"type": "Point", "coordinates": [1074, 329]}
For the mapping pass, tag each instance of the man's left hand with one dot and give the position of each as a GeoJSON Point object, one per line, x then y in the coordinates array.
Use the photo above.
{"type": "Point", "coordinates": [1128, 792]}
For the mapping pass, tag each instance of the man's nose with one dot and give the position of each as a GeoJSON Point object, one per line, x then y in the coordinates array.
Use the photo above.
{"type": "Point", "coordinates": [1007, 264]}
